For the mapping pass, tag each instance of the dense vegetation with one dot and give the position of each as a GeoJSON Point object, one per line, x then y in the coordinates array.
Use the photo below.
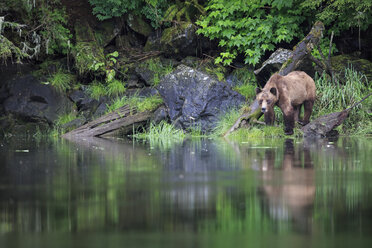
{"type": "Point", "coordinates": [245, 31]}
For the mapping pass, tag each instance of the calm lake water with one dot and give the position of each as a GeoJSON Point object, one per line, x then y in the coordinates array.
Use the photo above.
{"type": "Point", "coordinates": [194, 193]}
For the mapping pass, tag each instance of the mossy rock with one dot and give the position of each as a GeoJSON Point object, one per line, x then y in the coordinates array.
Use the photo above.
{"type": "Point", "coordinates": [340, 62]}
{"type": "Point", "coordinates": [177, 40]}
{"type": "Point", "coordinates": [138, 25]}
{"type": "Point", "coordinates": [107, 30]}
{"type": "Point", "coordinates": [83, 32]}
{"type": "Point", "coordinates": [86, 52]}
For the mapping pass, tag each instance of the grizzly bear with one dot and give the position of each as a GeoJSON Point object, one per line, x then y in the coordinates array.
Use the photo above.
{"type": "Point", "coordinates": [289, 93]}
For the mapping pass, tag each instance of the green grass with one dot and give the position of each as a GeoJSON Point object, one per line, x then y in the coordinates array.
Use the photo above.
{"type": "Point", "coordinates": [163, 130]}
{"type": "Point", "coordinates": [97, 90]}
{"type": "Point", "coordinates": [336, 96]}
{"type": "Point", "coordinates": [62, 119]}
{"type": "Point", "coordinates": [141, 104]}
{"type": "Point", "coordinates": [61, 81]}
{"type": "Point", "coordinates": [162, 135]}
{"type": "Point", "coordinates": [248, 90]}
{"type": "Point", "coordinates": [115, 88]}
{"type": "Point", "coordinates": [158, 68]}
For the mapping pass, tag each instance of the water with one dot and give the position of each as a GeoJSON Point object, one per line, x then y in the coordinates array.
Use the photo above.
{"type": "Point", "coordinates": [196, 193]}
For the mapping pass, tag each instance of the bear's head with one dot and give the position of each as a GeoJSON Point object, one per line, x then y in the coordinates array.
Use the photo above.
{"type": "Point", "coordinates": [267, 98]}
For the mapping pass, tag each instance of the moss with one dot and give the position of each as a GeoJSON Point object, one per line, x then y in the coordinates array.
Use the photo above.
{"type": "Point", "coordinates": [340, 62]}
{"type": "Point", "coordinates": [137, 24]}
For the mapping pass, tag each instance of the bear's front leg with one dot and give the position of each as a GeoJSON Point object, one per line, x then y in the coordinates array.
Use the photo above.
{"type": "Point", "coordinates": [269, 116]}
{"type": "Point", "coordinates": [288, 121]}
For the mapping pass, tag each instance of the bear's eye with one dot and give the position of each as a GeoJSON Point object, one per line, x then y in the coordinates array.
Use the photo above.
{"type": "Point", "coordinates": [268, 101]}
{"type": "Point", "coordinates": [260, 101]}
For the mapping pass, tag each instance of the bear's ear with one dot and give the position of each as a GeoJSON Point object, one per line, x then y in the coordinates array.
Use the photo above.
{"type": "Point", "coordinates": [273, 91]}
{"type": "Point", "coordinates": [258, 90]}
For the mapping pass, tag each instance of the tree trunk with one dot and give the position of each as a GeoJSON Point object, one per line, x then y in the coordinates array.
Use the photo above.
{"type": "Point", "coordinates": [124, 117]}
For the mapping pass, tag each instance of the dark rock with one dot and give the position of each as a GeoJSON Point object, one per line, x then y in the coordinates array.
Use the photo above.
{"type": "Point", "coordinates": [74, 123]}
{"type": "Point", "coordinates": [106, 31]}
{"type": "Point", "coordinates": [145, 74]}
{"type": "Point", "coordinates": [101, 109]}
{"type": "Point", "coordinates": [161, 114]}
{"type": "Point", "coordinates": [195, 100]}
{"type": "Point", "coordinates": [30, 99]}
{"type": "Point", "coordinates": [137, 24]}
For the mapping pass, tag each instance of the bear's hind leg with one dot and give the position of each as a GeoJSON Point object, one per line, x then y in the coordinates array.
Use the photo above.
{"type": "Point", "coordinates": [308, 109]}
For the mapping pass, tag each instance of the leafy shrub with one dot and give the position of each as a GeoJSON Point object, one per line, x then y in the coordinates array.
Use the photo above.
{"type": "Point", "coordinates": [250, 27]}
{"type": "Point", "coordinates": [340, 15]}
{"type": "Point", "coordinates": [41, 27]}
{"type": "Point", "coordinates": [151, 9]}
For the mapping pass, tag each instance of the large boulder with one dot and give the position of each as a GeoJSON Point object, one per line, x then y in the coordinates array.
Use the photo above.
{"type": "Point", "coordinates": [29, 99]}
{"type": "Point", "coordinates": [196, 100]}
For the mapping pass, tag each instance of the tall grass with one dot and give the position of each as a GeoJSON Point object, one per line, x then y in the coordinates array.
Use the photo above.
{"type": "Point", "coordinates": [141, 104]}
{"type": "Point", "coordinates": [61, 81]}
{"type": "Point", "coordinates": [115, 88]}
{"type": "Point", "coordinates": [97, 90]}
{"type": "Point", "coordinates": [162, 135]}
{"type": "Point", "coordinates": [336, 96]}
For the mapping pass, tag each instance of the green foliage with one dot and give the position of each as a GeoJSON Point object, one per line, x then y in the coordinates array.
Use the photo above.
{"type": "Point", "coordinates": [151, 9]}
{"type": "Point", "coordinates": [334, 97]}
{"type": "Point", "coordinates": [61, 81]}
{"type": "Point", "coordinates": [341, 15]}
{"type": "Point", "coordinates": [324, 47]}
{"type": "Point", "coordinates": [250, 27]}
{"type": "Point", "coordinates": [44, 29]}
{"type": "Point", "coordinates": [249, 82]}
{"type": "Point", "coordinates": [187, 10]}
{"type": "Point", "coordinates": [247, 90]}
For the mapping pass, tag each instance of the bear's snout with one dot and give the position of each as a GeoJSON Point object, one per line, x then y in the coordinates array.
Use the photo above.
{"type": "Point", "coordinates": [263, 110]}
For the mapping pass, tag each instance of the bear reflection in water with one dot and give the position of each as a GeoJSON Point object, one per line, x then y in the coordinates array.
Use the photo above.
{"type": "Point", "coordinates": [288, 190]}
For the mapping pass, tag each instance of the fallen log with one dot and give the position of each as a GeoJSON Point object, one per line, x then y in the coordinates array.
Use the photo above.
{"type": "Point", "coordinates": [323, 125]}
{"type": "Point", "coordinates": [300, 52]}
{"type": "Point", "coordinates": [124, 117]}
{"type": "Point", "coordinates": [254, 113]}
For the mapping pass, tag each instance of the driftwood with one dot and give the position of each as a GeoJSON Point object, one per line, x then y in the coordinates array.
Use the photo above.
{"type": "Point", "coordinates": [124, 117]}
{"type": "Point", "coordinates": [300, 52]}
{"type": "Point", "coordinates": [253, 114]}
{"type": "Point", "coordinates": [322, 126]}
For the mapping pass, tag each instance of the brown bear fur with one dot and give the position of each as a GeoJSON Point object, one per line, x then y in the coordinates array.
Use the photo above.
{"type": "Point", "coordinates": [289, 93]}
